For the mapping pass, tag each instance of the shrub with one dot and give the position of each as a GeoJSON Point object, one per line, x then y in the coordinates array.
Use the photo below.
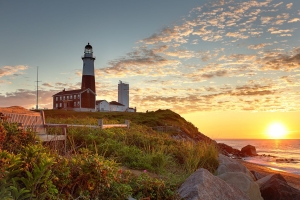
{"type": "Point", "coordinates": [145, 186]}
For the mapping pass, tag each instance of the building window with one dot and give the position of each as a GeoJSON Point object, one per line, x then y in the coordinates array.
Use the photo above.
{"type": "Point", "coordinates": [56, 105]}
{"type": "Point", "coordinates": [74, 96]}
{"type": "Point", "coordinates": [60, 97]}
{"type": "Point", "coordinates": [74, 104]}
{"type": "Point", "coordinates": [78, 96]}
{"type": "Point", "coordinates": [78, 103]}
{"type": "Point", "coordinates": [64, 97]}
{"type": "Point", "coordinates": [67, 97]}
{"type": "Point", "coordinates": [56, 98]}
{"type": "Point", "coordinates": [71, 96]}
{"type": "Point", "coordinates": [60, 105]}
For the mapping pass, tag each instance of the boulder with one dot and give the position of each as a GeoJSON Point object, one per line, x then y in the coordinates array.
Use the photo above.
{"type": "Point", "coordinates": [257, 175]}
{"type": "Point", "coordinates": [244, 183]}
{"type": "Point", "coordinates": [265, 179]}
{"type": "Point", "coordinates": [228, 150]}
{"type": "Point", "coordinates": [249, 150]}
{"type": "Point", "coordinates": [227, 164]}
{"type": "Point", "coordinates": [275, 187]}
{"type": "Point", "coordinates": [203, 185]}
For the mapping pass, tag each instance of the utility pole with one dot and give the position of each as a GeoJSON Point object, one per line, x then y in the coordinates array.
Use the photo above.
{"type": "Point", "coordinates": [37, 89]}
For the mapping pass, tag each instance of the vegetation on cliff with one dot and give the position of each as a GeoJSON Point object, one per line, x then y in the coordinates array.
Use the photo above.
{"type": "Point", "coordinates": [96, 160]}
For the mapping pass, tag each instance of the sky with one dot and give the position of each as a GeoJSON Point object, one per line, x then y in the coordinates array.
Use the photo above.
{"type": "Point", "coordinates": [231, 67]}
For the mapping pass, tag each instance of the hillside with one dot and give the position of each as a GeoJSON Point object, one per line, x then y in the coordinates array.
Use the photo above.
{"type": "Point", "coordinates": [153, 119]}
{"type": "Point", "coordinates": [140, 162]}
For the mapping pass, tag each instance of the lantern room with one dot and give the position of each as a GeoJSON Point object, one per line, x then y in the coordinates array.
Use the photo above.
{"type": "Point", "coordinates": [88, 49]}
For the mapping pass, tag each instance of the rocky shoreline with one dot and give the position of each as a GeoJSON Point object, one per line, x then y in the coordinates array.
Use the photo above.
{"type": "Point", "coordinates": [236, 179]}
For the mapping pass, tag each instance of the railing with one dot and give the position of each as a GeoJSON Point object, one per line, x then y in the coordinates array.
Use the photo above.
{"type": "Point", "coordinates": [36, 122]}
{"type": "Point", "coordinates": [103, 126]}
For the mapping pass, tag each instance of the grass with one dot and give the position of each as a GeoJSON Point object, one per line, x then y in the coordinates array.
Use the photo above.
{"type": "Point", "coordinates": [92, 167]}
{"type": "Point", "coordinates": [149, 119]}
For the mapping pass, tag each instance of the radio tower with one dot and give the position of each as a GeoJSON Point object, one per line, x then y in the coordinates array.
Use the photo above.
{"type": "Point", "coordinates": [37, 89]}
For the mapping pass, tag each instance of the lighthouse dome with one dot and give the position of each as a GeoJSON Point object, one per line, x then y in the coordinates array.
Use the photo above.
{"type": "Point", "coordinates": [88, 49]}
{"type": "Point", "coordinates": [88, 46]}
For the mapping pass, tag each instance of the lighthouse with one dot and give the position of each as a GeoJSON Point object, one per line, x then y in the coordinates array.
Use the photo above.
{"type": "Point", "coordinates": [88, 74]}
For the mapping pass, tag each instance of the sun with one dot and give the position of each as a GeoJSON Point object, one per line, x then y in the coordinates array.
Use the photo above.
{"type": "Point", "coordinates": [276, 130]}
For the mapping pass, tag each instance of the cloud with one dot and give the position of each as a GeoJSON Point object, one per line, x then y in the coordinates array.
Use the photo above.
{"type": "Point", "coordinates": [27, 98]}
{"type": "Point", "coordinates": [4, 82]}
{"type": "Point", "coordinates": [289, 6]}
{"type": "Point", "coordinates": [281, 62]}
{"type": "Point", "coordinates": [181, 54]}
{"type": "Point", "coordinates": [275, 30]}
{"type": "Point", "coordinates": [173, 34]}
{"type": "Point", "coordinates": [259, 46]}
{"type": "Point", "coordinates": [220, 73]}
{"type": "Point", "coordinates": [138, 63]}
{"type": "Point", "coordinates": [294, 20]}
{"type": "Point", "coordinates": [11, 70]}
{"type": "Point", "coordinates": [254, 90]}
{"type": "Point", "coordinates": [47, 85]}
{"type": "Point", "coordinates": [289, 80]}
{"type": "Point", "coordinates": [237, 35]}
{"type": "Point", "coordinates": [276, 5]}
{"type": "Point", "coordinates": [266, 20]}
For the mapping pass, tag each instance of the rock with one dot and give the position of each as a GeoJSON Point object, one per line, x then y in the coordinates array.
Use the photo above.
{"type": "Point", "coordinates": [265, 179]}
{"type": "Point", "coordinates": [275, 187]}
{"type": "Point", "coordinates": [249, 150]}
{"type": "Point", "coordinates": [228, 150]}
{"type": "Point", "coordinates": [230, 165]}
{"type": "Point", "coordinates": [203, 185]}
{"type": "Point", "coordinates": [286, 160]}
{"type": "Point", "coordinates": [244, 183]}
{"type": "Point", "coordinates": [257, 175]}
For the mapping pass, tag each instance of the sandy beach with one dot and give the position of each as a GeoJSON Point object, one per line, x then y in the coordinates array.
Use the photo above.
{"type": "Point", "coordinates": [292, 179]}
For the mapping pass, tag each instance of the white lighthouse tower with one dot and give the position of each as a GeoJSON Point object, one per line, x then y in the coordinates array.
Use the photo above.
{"type": "Point", "coordinates": [88, 74]}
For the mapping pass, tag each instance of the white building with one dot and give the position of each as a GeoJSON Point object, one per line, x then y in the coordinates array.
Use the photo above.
{"type": "Point", "coordinates": [102, 106]}
{"type": "Point", "coordinates": [123, 94]}
{"type": "Point", "coordinates": [117, 107]}
{"type": "Point", "coordinates": [123, 101]}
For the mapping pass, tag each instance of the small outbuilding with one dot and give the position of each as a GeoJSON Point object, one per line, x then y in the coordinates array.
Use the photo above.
{"type": "Point", "coordinates": [102, 106]}
{"type": "Point", "coordinates": [116, 107]}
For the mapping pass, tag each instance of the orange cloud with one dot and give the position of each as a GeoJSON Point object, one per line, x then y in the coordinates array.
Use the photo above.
{"type": "Point", "coordinates": [11, 70]}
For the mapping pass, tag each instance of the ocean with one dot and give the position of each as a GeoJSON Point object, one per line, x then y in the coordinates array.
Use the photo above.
{"type": "Point", "coordinates": [280, 155]}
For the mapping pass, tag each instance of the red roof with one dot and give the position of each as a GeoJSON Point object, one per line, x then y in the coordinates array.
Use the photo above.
{"type": "Point", "coordinates": [115, 103]}
{"type": "Point", "coordinates": [64, 92]}
{"type": "Point", "coordinates": [99, 101]}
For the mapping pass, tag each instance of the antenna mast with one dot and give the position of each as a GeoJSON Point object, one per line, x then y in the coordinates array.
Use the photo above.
{"type": "Point", "coordinates": [37, 88]}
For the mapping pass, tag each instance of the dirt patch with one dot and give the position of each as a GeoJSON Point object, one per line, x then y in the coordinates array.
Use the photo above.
{"type": "Point", "coordinates": [19, 110]}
